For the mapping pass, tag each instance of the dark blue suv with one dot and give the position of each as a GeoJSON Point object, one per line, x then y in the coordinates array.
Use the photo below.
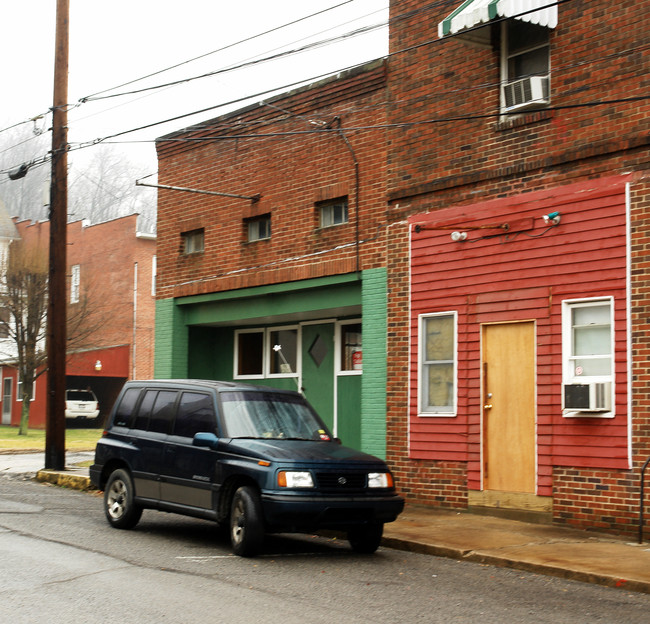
{"type": "Point", "coordinates": [251, 458]}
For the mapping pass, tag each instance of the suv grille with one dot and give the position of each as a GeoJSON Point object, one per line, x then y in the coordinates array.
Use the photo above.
{"type": "Point", "coordinates": [341, 480]}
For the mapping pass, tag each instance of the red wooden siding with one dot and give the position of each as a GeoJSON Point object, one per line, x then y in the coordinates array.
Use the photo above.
{"type": "Point", "coordinates": [523, 274]}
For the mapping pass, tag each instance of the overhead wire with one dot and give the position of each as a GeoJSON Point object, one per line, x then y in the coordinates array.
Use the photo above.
{"type": "Point", "coordinates": [303, 81]}
{"type": "Point", "coordinates": [222, 49]}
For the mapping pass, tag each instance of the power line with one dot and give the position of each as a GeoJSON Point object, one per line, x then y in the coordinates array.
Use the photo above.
{"type": "Point", "coordinates": [222, 49]}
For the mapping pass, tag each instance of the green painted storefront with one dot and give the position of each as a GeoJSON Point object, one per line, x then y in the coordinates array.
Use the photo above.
{"type": "Point", "coordinates": [201, 336]}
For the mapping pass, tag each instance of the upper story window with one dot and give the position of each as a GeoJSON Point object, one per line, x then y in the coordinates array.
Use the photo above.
{"type": "Point", "coordinates": [525, 49]}
{"type": "Point", "coordinates": [437, 364]}
{"type": "Point", "coordinates": [525, 65]}
{"type": "Point", "coordinates": [193, 241]}
{"type": "Point", "coordinates": [258, 228]}
{"type": "Point", "coordinates": [75, 282]}
{"type": "Point", "coordinates": [332, 213]}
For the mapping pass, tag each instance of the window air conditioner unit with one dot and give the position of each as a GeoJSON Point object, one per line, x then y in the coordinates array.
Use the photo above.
{"type": "Point", "coordinates": [526, 92]}
{"type": "Point", "coordinates": [588, 397]}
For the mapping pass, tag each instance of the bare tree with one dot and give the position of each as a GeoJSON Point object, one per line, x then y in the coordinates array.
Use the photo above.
{"type": "Point", "coordinates": [23, 317]}
{"type": "Point", "coordinates": [104, 189]}
{"type": "Point", "coordinates": [23, 301]}
{"type": "Point", "coordinates": [101, 185]}
{"type": "Point", "coordinates": [27, 195]}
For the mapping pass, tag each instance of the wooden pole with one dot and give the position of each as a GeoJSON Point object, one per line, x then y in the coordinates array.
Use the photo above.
{"type": "Point", "coordinates": [56, 315]}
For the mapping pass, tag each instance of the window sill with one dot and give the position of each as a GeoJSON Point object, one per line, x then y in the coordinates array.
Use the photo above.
{"type": "Point", "coordinates": [585, 414]}
{"type": "Point", "coordinates": [519, 120]}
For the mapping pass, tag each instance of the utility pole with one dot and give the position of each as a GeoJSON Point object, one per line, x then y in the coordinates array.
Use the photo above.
{"type": "Point", "coordinates": [56, 314]}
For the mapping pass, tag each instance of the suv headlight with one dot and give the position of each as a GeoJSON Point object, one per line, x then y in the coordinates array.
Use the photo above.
{"type": "Point", "coordinates": [294, 479]}
{"type": "Point", "coordinates": [380, 480]}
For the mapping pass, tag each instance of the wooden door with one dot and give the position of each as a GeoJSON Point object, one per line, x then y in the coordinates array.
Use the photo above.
{"type": "Point", "coordinates": [509, 443]}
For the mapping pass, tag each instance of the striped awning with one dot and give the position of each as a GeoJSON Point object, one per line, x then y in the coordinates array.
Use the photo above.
{"type": "Point", "coordinates": [475, 12]}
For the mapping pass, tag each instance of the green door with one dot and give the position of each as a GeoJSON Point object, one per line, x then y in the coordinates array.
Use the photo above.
{"type": "Point", "coordinates": [318, 369]}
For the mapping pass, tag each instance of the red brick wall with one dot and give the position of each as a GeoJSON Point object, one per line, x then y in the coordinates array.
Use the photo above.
{"type": "Point", "coordinates": [449, 147]}
{"type": "Point", "coordinates": [297, 151]}
{"type": "Point", "coordinates": [107, 254]}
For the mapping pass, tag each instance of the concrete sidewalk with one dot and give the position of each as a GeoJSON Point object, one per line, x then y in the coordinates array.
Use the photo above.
{"type": "Point", "coordinates": [543, 549]}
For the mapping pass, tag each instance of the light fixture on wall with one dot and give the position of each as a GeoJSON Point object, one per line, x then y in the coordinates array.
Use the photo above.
{"type": "Point", "coordinates": [98, 365]}
{"type": "Point", "coordinates": [458, 236]}
{"type": "Point", "coordinates": [552, 218]}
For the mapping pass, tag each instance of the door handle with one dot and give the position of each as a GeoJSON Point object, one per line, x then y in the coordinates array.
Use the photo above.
{"type": "Point", "coordinates": [487, 406]}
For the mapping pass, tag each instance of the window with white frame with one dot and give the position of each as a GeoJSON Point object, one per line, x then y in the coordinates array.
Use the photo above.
{"type": "Point", "coordinates": [588, 341]}
{"type": "Point", "coordinates": [350, 346]}
{"type": "Point", "coordinates": [283, 351]}
{"type": "Point", "coordinates": [437, 364]}
{"type": "Point", "coordinates": [588, 355]}
{"type": "Point", "coordinates": [525, 65]}
{"type": "Point", "coordinates": [271, 352]}
{"type": "Point", "coordinates": [19, 390]}
{"type": "Point", "coordinates": [154, 275]}
{"type": "Point", "coordinates": [331, 213]}
{"type": "Point", "coordinates": [249, 353]}
{"type": "Point", "coordinates": [75, 283]}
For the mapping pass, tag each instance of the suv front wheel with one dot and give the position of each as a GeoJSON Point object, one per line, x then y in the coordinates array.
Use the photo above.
{"type": "Point", "coordinates": [246, 524]}
{"type": "Point", "coordinates": [365, 539]}
{"type": "Point", "coordinates": [121, 511]}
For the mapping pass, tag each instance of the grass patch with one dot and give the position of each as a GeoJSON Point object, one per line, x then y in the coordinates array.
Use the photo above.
{"type": "Point", "coordinates": [75, 439]}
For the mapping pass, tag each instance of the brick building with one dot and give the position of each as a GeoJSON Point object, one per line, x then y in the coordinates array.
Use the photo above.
{"type": "Point", "coordinates": [271, 260]}
{"type": "Point", "coordinates": [474, 207]}
{"type": "Point", "coordinates": [517, 256]}
{"type": "Point", "coordinates": [112, 267]}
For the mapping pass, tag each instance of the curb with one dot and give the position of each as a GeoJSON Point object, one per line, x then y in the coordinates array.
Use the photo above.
{"type": "Point", "coordinates": [526, 566]}
{"type": "Point", "coordinates": [72, 481]}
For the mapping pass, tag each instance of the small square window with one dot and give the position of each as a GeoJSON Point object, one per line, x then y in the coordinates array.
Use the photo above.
{"type": "Point", "coordinates": [193, 242]}
{"type": "Point", "coordinates": [259, 228]}
{"type": "Point", "coordinates": [333, 213]}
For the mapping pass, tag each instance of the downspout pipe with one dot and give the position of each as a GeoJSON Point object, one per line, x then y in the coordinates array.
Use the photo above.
{"type": "Point", "coordinates": [357, 185]}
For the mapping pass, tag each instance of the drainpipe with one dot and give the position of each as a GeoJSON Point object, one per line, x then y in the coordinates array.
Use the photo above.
{"type": "Point", "coordinates": [356, 184]}
{"type": "Point", "coordinates": [135, 314]}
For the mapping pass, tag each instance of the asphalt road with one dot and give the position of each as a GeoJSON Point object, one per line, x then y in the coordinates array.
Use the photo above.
{"type": "Point", "coordinates": [60, 562]}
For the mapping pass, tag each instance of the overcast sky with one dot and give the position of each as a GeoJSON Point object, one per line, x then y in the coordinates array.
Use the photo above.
{"type": "Point", "coordinates": [112, 43]}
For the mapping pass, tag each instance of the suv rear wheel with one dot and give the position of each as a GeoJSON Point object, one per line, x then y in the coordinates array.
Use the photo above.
{"type": "Point", "coordinates": [121, 511]}
{"type": "Point", "coordinates": [246, 525]}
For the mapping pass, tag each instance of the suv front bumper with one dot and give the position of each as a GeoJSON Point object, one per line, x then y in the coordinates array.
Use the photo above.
{"type": "Point", "coordinates": [300, 512]}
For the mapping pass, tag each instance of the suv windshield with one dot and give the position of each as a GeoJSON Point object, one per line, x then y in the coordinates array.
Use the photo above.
{"type": "Point", "coordinates": [249, 414]}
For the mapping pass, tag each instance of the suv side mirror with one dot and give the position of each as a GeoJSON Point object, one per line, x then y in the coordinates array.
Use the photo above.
{"type": "Point", "coordinates": [205, 439]}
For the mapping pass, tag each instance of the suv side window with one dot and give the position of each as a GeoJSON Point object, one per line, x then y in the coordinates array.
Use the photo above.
{"type": "Point", "coordinates": [142, 418]}
{"type": "Point", "coordinates": [163, 412]}
{"type": "Point", "coordinates": [195, 414]}
{"type": "Point", "coordinates": [125, 410]}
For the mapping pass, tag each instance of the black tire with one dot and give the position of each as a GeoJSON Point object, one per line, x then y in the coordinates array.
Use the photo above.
{"type": "Point", "coordinates": [121, 512]}
{"type": "Point", "coordinates": [246, 523]}
{"type": "Point", "coordinates": [365, 539]}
